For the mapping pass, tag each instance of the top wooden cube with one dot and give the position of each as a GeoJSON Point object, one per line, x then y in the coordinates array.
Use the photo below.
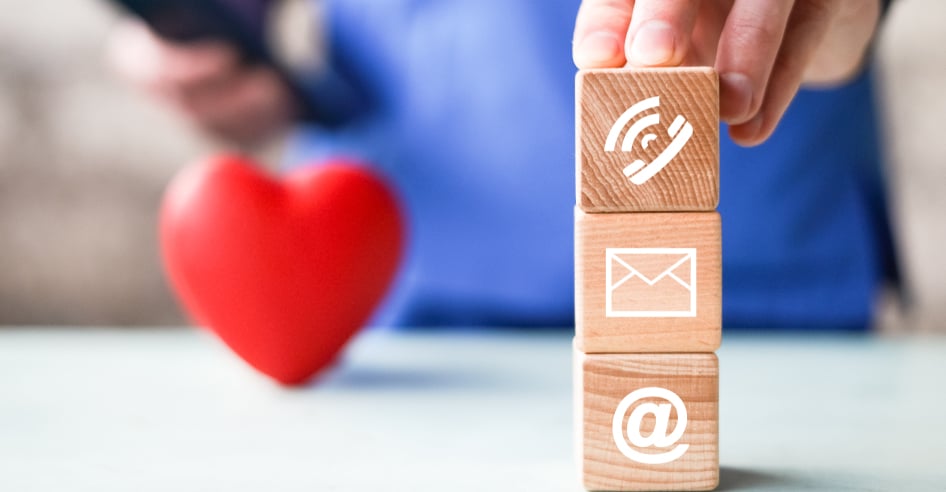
{"type": "Point", "coordinates": [648, 139]}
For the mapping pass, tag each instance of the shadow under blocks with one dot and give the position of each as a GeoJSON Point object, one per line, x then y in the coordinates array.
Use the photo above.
{"type": "Point", "coordinates": [648, 279]}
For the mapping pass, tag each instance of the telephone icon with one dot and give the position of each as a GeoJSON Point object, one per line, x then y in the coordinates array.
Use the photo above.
{"type": "Point", "coordinates": [680, 131]}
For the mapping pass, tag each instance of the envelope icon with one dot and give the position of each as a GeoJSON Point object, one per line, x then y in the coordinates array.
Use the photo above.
{"type": "Point", "coordinates": [650, 282]}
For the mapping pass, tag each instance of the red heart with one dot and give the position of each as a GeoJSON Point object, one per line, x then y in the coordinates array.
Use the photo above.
{"type": "Point", "coordinates": [284, 271]}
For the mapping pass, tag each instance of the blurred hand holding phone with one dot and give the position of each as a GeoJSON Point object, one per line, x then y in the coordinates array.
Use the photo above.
{"type": "Point", "coordinates": [323, 97]}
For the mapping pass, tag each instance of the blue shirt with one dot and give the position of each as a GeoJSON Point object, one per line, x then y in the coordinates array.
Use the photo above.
{"type": "Point", "coordinates": [471, 119]}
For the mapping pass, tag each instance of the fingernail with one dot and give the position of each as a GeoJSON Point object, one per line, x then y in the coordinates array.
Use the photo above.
{"type": "Point", "coordinates": [597, 48]}
{"type": "Point", "coordinates": [653, 44]}
{"type": "Point", "coordinates": [735, 94]}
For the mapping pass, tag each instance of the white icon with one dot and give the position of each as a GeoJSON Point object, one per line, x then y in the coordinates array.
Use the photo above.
{"type": "Point", "coordinates": [679, 131]}
{"type": "Point", "coordinates": [658, 438]}
{"type": "Point", "coordinates": [650, 282]}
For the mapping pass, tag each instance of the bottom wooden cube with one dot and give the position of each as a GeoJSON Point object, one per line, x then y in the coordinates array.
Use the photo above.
{"type": "Point", "coordinates": [648, 421]}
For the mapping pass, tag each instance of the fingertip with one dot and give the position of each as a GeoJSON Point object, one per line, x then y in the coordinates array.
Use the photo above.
{"type": "Point", "coordinates": [599, 49]}
{"type": "Point", "coordinates": [654, 44]}
{"type": "Point", "coordinates": [751, 133]}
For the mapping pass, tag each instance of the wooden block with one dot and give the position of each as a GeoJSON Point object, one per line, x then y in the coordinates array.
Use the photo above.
{"type": "Point", "coordinates": [648, 421]}
{"type": "Point", "coordinates": [648, 282]}
{"type": "Point", "coordinates": [648, 139]}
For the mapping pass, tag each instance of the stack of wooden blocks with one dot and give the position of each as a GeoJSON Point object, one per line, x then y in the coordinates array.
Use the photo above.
{"type": "Point", "coordinates": [648, 279]}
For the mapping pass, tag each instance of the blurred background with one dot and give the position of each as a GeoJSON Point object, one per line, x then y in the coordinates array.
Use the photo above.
{"type": "Point", "coordinates": [84, 160]}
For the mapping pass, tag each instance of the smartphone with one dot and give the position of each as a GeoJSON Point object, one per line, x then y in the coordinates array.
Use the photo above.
{"type": "Point", "coordinates": [241, 24]}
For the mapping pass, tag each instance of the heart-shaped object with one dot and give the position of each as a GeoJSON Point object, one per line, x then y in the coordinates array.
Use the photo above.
{"type": "Point", "coordinates": [285, 271]}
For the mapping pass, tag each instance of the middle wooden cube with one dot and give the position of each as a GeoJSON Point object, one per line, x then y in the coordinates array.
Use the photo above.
{"type": "Point", "coordinates": [648, 282]}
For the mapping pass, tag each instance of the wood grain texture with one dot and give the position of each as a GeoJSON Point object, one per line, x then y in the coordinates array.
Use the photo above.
{"type": "Point", "coordinates": [604, 380]}
{"type": "Point", "coordinates": [650, 293]}
{"type": "Point", "coordinates": [690, 182]}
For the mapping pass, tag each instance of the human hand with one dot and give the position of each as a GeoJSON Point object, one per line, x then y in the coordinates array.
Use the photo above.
{"type": "Point", "coordinates": [206, 82]}
{"type": "Point", "coordinates": [763, 49]}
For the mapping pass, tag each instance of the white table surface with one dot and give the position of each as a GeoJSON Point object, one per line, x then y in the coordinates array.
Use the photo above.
{"type": "Point", "coordinates": [162, 410]}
